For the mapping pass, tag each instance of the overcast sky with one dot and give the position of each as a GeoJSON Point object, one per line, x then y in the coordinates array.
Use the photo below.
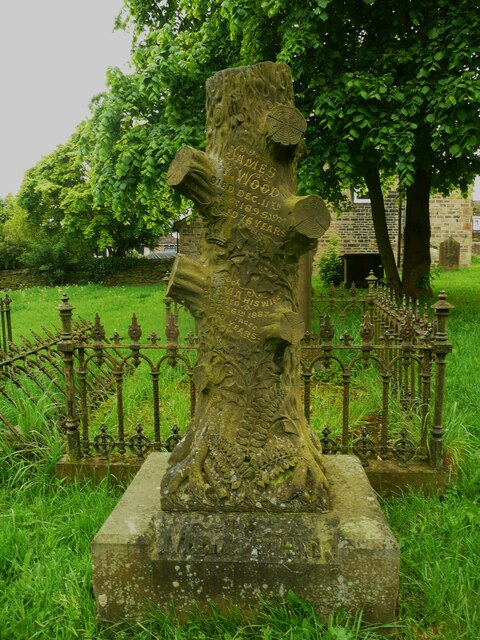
{"type": "Point", "coordinates": [54, 55]}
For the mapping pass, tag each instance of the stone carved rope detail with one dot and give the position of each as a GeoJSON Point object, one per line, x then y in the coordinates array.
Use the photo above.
{"type": "Point", "coordinates": [249, 445]}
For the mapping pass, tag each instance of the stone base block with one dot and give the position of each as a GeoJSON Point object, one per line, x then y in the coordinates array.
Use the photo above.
{"type": "Point", "coordinates": [389, 479]}
{"type": "Point", "coordinates": [346, 558]}
{"type": "Point", "coordinates": [119, 471]}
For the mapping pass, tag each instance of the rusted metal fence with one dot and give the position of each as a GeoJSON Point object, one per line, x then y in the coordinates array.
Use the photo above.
{"type": "Point", "coordinates": [98, 369]}
{"type": "Point", "coordinates": [32, 365]}
{"type": "Point", "coordinates": [110, 393]}
{"type": "Point", "coordinates": [76, 370]}
{"type": "Point", "coordinates": [405, 347]}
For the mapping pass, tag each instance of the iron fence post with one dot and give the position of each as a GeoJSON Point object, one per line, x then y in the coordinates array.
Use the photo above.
{"type": "Point", "coordinates": [66, 347]}
{"type": "Point", "coordinates": [441, 347]}
{"type": "Point", "coordinates": [6, 323]}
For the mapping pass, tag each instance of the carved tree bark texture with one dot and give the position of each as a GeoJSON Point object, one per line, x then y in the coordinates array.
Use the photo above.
{"type": "Point", "coordinates": [249, 446]}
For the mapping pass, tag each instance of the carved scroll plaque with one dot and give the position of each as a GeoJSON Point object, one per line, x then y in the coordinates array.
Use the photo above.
{"type": "Point", "coordinates": [249, 446]}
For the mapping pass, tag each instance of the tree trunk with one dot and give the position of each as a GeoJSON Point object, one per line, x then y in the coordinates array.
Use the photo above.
{"type": "Point", "coordinates": [249, 446]}
{"type": "Point", "coordinates": [379, 217]}
{"type": "Point", "coordinates": [416, 261]}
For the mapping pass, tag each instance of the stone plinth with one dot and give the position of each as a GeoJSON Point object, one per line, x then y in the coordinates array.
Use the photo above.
{"type": "Point", "coordinates": [346, 558]}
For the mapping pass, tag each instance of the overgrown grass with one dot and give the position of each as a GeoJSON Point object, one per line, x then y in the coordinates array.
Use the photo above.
{"type": "Point", "coordinates": [46, 526]}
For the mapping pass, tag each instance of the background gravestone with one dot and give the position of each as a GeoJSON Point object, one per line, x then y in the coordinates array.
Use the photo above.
{"type": "Point", "coordinates": [449, 254]}
{"type": "Point", "coordinates": [249, 446]}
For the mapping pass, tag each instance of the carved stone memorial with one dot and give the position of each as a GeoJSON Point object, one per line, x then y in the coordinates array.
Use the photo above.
{"type": "Point", "coordinates": [249, 446]}
{"type": "Point", "coordinates": [247, 506]}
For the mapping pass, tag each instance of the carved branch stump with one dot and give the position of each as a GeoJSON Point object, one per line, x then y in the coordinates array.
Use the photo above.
{"type": "Point", "coordinates": [249, 446]}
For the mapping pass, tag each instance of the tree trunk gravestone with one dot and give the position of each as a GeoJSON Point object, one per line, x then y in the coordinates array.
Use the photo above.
{"type": "Point", "coordinates": [249, 446]}
{"type": "Point", "coordinates": [246, 510]}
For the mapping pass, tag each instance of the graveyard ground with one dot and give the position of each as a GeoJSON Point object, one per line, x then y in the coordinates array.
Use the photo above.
{"type": "Point", "coordinates": [46, 526]}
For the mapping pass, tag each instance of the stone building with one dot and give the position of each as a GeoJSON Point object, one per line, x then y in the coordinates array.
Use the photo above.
{"type": "Point", "coordinates": [189, 235]}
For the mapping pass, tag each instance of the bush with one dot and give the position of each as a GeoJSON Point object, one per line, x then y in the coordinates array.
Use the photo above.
{"type": "Point", "coordinates": [57, 255]}
{"type": "Point", "coordinates": [330, 264]}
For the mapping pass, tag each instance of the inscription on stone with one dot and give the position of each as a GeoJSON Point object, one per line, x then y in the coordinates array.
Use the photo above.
{"type": "Point", "coordinates": [241, 541]}
{"type": "Point", "coordinates": [255, 201]}
{"type": "Point", "coordinates": [241, 309]}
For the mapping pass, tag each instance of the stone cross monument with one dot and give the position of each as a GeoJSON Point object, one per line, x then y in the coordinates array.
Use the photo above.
{"type": "Point", "coordinates": [249, 446]}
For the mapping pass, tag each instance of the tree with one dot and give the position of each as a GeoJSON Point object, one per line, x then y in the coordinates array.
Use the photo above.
{"type": "Point", "coordinates": [395, 93]}
{"type": "Point", "coordinates": [390, 90]}
{"type": "Point", "coordinates": [3, 209]}
{"type": "Point", "coordinates": [57, 194]}
{"type": "Point", "coordinates": [139, 123]}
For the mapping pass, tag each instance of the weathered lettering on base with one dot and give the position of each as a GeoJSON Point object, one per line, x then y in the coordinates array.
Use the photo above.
{"type": "Point", "coordinates": [243, 538]}
{"type": "Point", "coordinates": [249, 447]}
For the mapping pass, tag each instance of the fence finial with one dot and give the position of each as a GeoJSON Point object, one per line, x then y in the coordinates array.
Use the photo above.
{"type": "Point", "coordinates": [65, 309]}
{"type": "Point", "coordinates": [371, 280]}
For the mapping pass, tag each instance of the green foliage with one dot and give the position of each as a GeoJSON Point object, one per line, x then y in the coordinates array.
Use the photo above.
{"type": "Point", "coordinates": [386, 87]}
{"type": "Point", "coordinates": [139, 124]}
{"type": "Point", "coordinates": [46, 185]}
{"type": "Point", "coordinates": [388, 90]}
{"type": "Point", "coordinates": [3, 209]}
{"type": "Point", "coordinates": [330, 265]}
{"type": "Point", "coordinates": [57, 255]}
{"type": "Point", "coordinates": [16, 233]}
{"type": "Point", "coordinates": [57, 195]}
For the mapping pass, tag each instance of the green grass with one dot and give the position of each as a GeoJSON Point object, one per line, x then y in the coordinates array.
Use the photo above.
{"type": "Point", "coordinates": [46, 526]}
{"type": "Point", "coordinates": [36, 307]}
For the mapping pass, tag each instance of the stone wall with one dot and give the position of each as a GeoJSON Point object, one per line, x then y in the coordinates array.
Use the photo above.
{"type": "Point", "coordinates": [189, 237]}
{"type": "Point", "coordinates": [354, 227]}
{"type": "Point", "coordinates": [138, 273]}
{"type": "Point", "coordinates": [12, 279]}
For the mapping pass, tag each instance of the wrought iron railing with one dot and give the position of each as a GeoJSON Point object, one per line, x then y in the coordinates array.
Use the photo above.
{"type": "Point", "coordinates": [406, 350]}
{"type": "Point", "coordinates": [32, 366]}
{"type": "Point", "coordinates": [93, 358]}
{"type": "Point", "coordinates": [74, 370]}
{"type": "Point", "coordinates": [365, 342]}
